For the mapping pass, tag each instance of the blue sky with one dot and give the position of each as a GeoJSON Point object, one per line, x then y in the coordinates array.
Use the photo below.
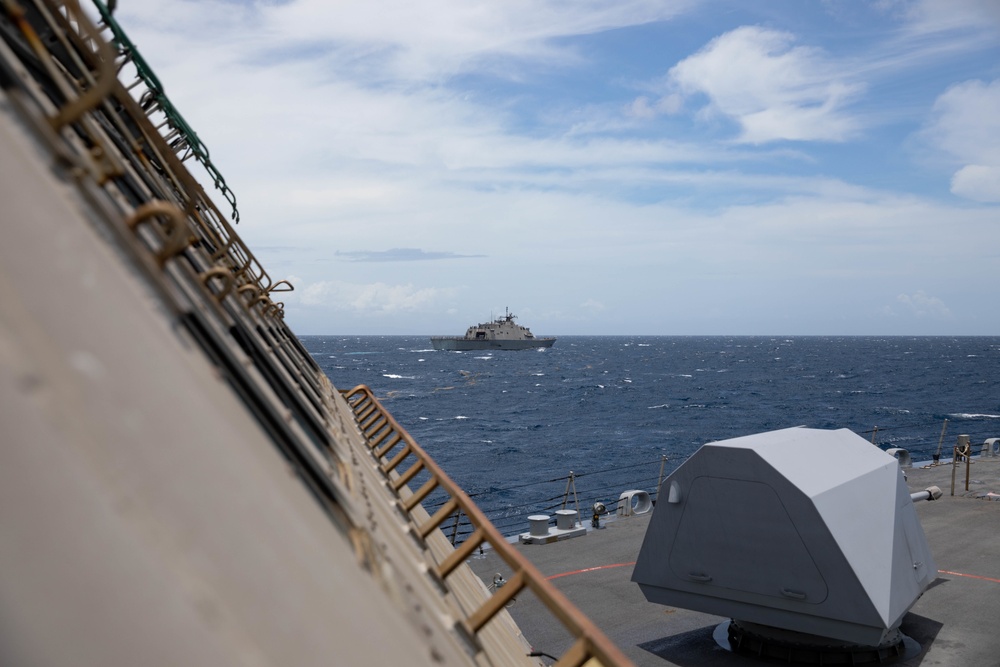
{"type": "Point", "coordinates": [629, 167]}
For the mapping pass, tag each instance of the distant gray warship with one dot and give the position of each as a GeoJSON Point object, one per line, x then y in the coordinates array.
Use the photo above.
{"type": "Point", "coordinates": [500, 334]}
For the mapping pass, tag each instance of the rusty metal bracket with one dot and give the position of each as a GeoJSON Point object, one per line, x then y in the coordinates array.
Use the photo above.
{"type": "Point", "coordinates": [223, 274]}
{"type": "Point", "coordinates": [104, 81]}
{"type": "Point", "coordinates": [177, 236]}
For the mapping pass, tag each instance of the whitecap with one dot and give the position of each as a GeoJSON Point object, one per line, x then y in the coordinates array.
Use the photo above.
{"type": "Point", "coordinates": [461, 417]}
{"type": "Point", "coordinates": [656, 407]}
{"type": "Point", "coordinates": [393, 376]}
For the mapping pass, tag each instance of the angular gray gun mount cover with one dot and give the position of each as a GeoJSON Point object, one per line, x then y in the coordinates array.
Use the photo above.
{"type": "Point", "coordinates": [803, 529]}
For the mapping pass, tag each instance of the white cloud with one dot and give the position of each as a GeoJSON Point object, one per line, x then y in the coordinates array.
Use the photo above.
{"type": "Point", "coordinates": [592, 306]}
{"type": "Point", "coordinates": [643, 107]}
{"type": "Point", "coordinates": [375, 298]}
{"type": "Point", "coordinates": [771, 88]}
{"type": "Point", "coordinates": [928, 16]}
{"type": "Point", "coordinates": [425, 41]}
{"type": "Point", "coordinates": [966, 126]}
{"type": "Point", "coordinates": [921, 304]}
{"type": "Point", "coordinates": [977, 182]}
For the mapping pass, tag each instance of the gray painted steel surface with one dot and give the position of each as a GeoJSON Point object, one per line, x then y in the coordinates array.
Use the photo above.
{"type": "Point", "coordinates": [803, 529]}
{"type": "Point", "coordinates": [503, 333]}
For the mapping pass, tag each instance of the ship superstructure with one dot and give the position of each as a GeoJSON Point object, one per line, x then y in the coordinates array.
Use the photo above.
{"type": "Point", "coordinates": [503, 333]}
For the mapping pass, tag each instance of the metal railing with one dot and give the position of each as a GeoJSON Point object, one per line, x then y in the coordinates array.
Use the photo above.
{"type": "Point", "coordinates": [136, 147]}
{"type": "Point", "coordinates": [400, 459]}
{"type": "Point", "coordinates": [62, 78]}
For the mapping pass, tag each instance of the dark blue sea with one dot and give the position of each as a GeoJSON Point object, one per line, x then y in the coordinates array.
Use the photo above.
{"type": "Point", "coordinates": [510, 426]}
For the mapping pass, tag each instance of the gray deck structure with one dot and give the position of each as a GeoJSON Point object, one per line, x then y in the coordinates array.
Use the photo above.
{"type": "Point", "coordinates": [767, 528]}
{"type": "Point", "coordinates": [954, 622]}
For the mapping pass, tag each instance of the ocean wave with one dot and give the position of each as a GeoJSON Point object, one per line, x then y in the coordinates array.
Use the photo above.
{"type": "Point", "coordinates": [567, 417]}
{"type": "Point", "coordinates": [973, 415]}
{"type": "Point", "coordinates": [393, 376]}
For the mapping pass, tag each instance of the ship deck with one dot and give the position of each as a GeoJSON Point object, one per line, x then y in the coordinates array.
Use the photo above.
{"type": "Point", "coordinates": [955, 622]}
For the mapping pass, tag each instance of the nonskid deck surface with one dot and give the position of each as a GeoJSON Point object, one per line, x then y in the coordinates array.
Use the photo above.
{"type": "Point", "coordinates": [955, 622]}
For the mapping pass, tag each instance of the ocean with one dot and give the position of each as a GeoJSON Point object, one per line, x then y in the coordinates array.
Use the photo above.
{"type": "Point", "coordinates": [510, 427]}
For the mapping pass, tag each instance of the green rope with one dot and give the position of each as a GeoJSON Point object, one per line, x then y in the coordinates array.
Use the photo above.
{"type": "Point", "coordinates": [176, 121]}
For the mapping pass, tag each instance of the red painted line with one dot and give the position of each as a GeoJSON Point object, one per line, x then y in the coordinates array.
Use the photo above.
{"type": "Point", "coordinates": [971, 576]}
{"type": "Point", "coordinates": [590, 569]}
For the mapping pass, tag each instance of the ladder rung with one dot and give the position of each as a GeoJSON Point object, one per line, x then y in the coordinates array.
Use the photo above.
{"type": "Point", "coordinates": [446, 510]}
{"type": "Point", "coordinates": [497, 602]}
{"type": "Point", "coordinates": [458, 556]}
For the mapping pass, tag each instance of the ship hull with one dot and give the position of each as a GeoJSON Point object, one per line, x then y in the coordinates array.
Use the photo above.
{"type": "Point", "coordinates": [458, 344]}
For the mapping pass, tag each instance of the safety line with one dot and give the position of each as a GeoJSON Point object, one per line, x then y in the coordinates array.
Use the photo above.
{"type": "Point", "coordinates": [590, 569]}
{"type": "Point", "coordinates": [970, 576]}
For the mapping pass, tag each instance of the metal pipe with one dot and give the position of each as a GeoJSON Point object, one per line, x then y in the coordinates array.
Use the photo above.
{"type": "Point", "coordinates": [930, 493]}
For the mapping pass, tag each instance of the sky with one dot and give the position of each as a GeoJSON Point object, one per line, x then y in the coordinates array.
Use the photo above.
{"type": "Point", "coordinates": [686, 167]}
